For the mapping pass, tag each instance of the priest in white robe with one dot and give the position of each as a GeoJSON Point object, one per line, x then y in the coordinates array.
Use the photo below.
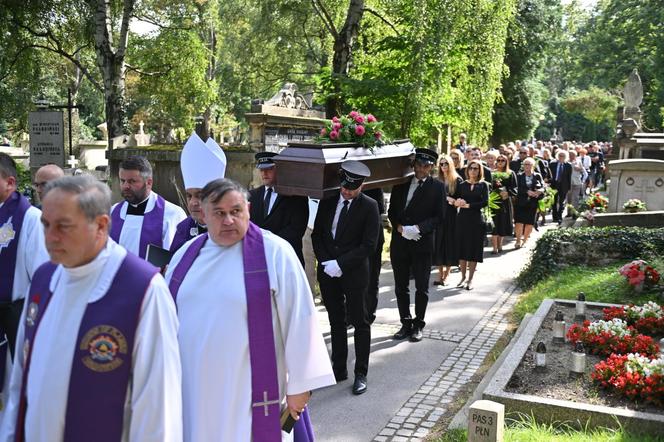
{"type": "Point", "coordinates": [22, 251]}
{"type": "Point", "coordinates": [213, 312]}
{"type": "Point", "coordinates": [47, 403]}
{"type": "Point", "coordinates": [144, 217]}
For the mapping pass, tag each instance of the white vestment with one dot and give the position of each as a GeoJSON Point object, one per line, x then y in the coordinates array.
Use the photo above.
{"type": "Point", "coordinates": [30, 252]}
{"type": "Point", "coordinates": [130, 237]}
{"type": "Point", "coordinates": [153, 407]}
{"type": "Point", "coordinates": [214, 341]}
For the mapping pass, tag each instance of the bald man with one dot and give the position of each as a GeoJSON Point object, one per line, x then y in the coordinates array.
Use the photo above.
{"type": "Point", "coordinates": [45, 174]}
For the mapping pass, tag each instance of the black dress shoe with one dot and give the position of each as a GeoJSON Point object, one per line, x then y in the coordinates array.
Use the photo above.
{"type": "Point", "coordinates": [403, 333]}
{"type": "Point", "coordinates": [341, 376]}
{"type": "Point", "coordinates": [360, 384]}
{"type": "Point", "coordinates": [416, 334]}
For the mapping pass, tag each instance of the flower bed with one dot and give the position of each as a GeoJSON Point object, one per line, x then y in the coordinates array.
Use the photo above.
{"type": "Point", "coordinates": [647, 319]}
{"type": "Point", "coordinates": [613, 336]}
{"type": "Point", "coordinates": [634, 376]}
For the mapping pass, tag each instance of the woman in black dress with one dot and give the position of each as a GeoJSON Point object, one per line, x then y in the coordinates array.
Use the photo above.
{"type": "Point", "coordinates": [503, 221]}
{"type": "Point", "coordinates": [472, 195]}
{"type": "Point", "coordinates": [445, 256]}
{"type": "Point", "coordinates": [529, 190]}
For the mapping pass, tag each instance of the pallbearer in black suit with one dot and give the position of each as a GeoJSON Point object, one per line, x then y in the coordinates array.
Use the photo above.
{"type": "Point", "coordinates": [285, 216]}
{"type": "Point", "coordinates": [417, 207]}
{"type": "Point", "coordinates": [375, 259]}
{"type": "Point", "coordinates": [344, 236]}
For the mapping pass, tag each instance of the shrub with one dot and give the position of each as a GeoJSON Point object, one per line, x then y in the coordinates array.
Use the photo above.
{"type": "Point", "coordinates": [559, 248]}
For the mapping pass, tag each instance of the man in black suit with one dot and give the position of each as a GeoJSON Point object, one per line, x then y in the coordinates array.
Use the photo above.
{"type": "Point", "coordinates": [344, 236]}
{"type": "Point", "coordinates": [416, 208]}
{"type": "Point", "coordinates": [285, 216]}
{"type": "Point", "coordinates": [561, 180]}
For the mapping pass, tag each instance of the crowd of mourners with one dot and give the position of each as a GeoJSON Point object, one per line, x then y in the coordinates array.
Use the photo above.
{"type": "Point", "coordinates": [519, 174]}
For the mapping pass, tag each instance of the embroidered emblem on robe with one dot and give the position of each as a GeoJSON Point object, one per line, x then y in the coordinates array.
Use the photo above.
{"type": "Point", "coordinates": [7, 233]}
{"type": "Point", "coordinates": [105, 345]}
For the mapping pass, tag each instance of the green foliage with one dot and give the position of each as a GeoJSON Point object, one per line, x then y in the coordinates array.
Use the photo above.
{"type": "Point", "coordinates": [600, 284]}
{"type": "Point", "coordinates": [24, 184]}
{"type": "Point", "coordinates": [594, 104]}
{"type": "Point", "coordinates": [528, 52]}
{"type": "Point", "coordinates": [591, 244]}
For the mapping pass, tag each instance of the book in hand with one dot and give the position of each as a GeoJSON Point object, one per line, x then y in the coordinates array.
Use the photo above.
{"type": "Point", "coordinates": [157, 256]}
{"type": "Point", "coordinates": [287, 421]}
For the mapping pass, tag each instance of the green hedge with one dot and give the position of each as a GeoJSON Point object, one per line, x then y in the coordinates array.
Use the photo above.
{"type": "Point", "coordinates": [605, 243]}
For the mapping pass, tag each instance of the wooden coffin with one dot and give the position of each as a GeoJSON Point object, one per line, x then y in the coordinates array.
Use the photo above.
{"type": "Point", "coordinates": [311, 169]}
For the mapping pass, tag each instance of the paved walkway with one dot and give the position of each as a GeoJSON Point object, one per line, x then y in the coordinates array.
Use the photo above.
{"type": "Point", "coordinates": [412, 384]}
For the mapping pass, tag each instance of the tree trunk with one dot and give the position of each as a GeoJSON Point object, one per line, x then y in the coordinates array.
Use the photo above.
{"type": "Point", "coordinates": [343, 50]}
{"type": "Point", "coordinates": [111, 63]}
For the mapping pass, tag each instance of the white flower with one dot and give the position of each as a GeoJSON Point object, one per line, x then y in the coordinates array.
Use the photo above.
{"type": "Point", "coordinates": [616, 327]}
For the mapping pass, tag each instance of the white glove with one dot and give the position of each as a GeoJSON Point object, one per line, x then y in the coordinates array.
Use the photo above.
{"type": "Point", "coordinates": [411, 233]}
{"type": "Point", "coordinates": [332, 269]}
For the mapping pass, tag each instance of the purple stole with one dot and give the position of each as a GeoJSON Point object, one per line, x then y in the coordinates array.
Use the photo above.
{"type": "Point", "coordinates": [265, 425]}
{"type": "Point", "coordinates": [151, 230]}
{"type": "Point", "coordinates": [102, 364]}
{"type": "Point", "coordinates": [183, 233]}
{"type": "Point", "coordinates": [15, 208]}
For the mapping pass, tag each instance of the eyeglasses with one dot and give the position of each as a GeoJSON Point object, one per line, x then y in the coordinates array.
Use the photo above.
{"type": "Point", "coordinates": [473, 168]}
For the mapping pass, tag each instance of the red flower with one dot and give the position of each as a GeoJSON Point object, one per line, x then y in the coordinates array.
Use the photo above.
{"type": "Point", "coordinates": [371, 118]}
{"type": "Point", "coordinates": [359, 130]}
{"type": "Point", "coordinates": [334, 135]}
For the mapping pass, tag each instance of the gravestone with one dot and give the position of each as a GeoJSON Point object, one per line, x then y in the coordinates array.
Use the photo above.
{"type": "Point", "coordinates": [47, 138]}
{"type": "Point", "coordinates": [486, 421]}
{"type": "Point", "coordinates": [287, 116]}
{"type": "Point", "coordinates": [642, 179]}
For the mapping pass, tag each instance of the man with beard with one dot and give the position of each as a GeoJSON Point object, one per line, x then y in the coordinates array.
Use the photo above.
{"type": "Point", "coordinates": [200, 163]}
{"type": "Point", "coordinates": [144, 217]}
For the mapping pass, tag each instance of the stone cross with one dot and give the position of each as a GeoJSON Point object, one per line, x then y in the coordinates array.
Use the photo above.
{"type": "Point", "coordinates": [486, 421]}
{"type": "Point", "coordinates": [72, 161]}
{"type": "Point", "coordinates": [140, 128]}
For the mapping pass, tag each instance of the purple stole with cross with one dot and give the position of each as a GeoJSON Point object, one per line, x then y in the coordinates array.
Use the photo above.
{"type": "Point", "coordinates": [265, 425]}
{"type": "Point", "coordinates": [102, 364]}
{"type": "Point", "coordinates": [12, 213]}
{"type": "Point", "coordinates": [151, 229]}
{"type": "Point", "coordinates": [183, 233]}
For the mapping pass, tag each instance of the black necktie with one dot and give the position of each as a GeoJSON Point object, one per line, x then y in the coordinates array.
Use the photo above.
{"type": "Point", "coordinates": [342, 217]}
{"type": "Point", "coordinates": [266, 203]}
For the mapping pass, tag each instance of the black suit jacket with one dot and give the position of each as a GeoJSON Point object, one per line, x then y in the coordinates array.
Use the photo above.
{"type": "Point", "coordinates": [351, 245]}
{"type": "Point", "coordinates": [426, 210]}
{"type": "Point", "coordinates": [287, 219]}
{"type": "Point", "coordinates": [564, 182]}
{"type": "Point", "coordinates": [522, 188]}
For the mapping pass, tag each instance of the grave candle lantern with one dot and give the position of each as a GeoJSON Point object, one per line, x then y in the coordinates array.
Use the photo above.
{"type": "Point", "coordinates": [540, 356]}
{"type": "Point", "coordinates": [580, 312]}
{"type": "Point", "coordinates": [578, 359]}
{"type": "Point", "coordinates": [559, 327]}
{"type": "Point", "coordinates": [661, 348]}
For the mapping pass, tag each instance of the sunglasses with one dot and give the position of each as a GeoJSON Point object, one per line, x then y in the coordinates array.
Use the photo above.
{"type": "Point", "coordinates": [501, 161]}
{"type": "Point", "coordinates": [473, 168]}
{"type": "Point", "coordinates": [444, 164]}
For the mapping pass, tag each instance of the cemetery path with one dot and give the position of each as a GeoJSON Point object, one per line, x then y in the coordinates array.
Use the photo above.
{"type": "Point", "coordinates": [410, 385]}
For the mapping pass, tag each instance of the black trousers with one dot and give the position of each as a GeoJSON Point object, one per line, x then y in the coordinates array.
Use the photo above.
{"type": "Point", "coordinates": [403, 262]}
{"type": "Point", "coordinates": [338, 295]}
{"type": "Point", "coordinates": [375, 262]}
{"type": "Point", "coordinates": [10, 315]}
{"type": "Point", "coordinates": [559, 205]}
